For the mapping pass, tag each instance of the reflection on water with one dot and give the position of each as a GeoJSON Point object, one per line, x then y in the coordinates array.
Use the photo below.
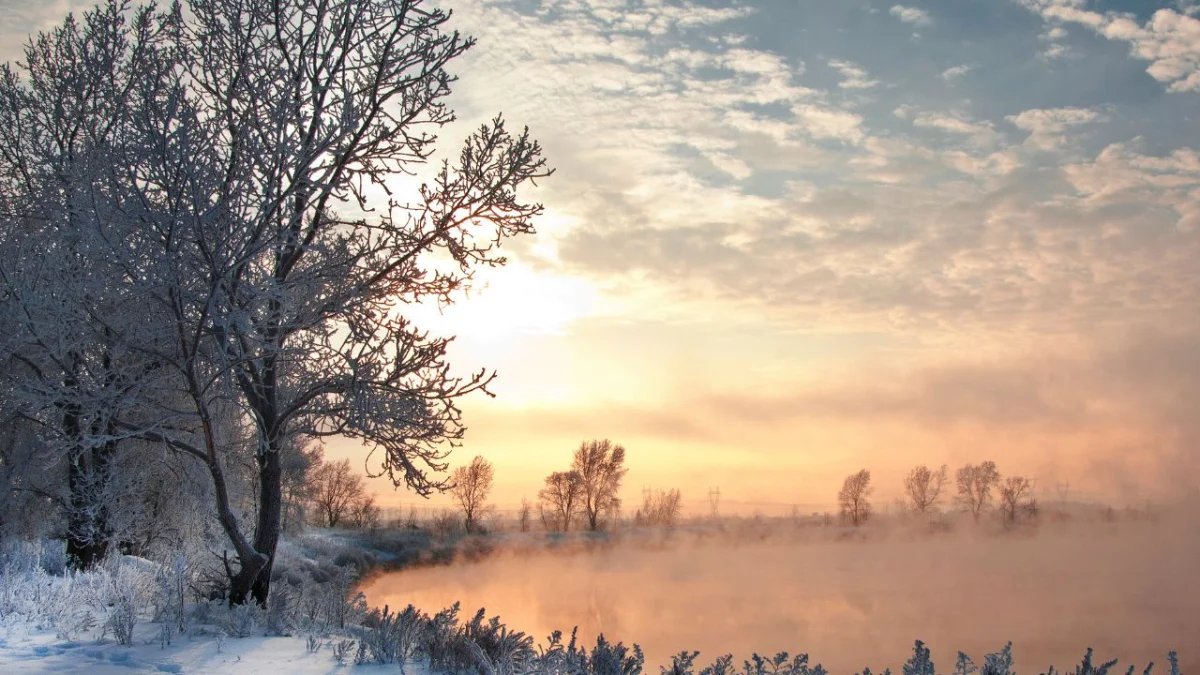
{"type": "Point", "coordinates": [1132, 594]}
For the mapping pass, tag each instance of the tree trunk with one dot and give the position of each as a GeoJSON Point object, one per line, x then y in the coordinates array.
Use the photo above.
{"type": "Point", "coordinates": [88, 529]}
{"type": "Point", "coordinates": [270, 511]}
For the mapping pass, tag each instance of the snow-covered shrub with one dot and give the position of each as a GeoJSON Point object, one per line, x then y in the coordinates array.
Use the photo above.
{"type": "Point", "coordinates": [481, 646]}
{"type": "Point", "coordinates": [122, 620]}
{"type": "Point", "coordinates": [500, 651]}
{"type": "Point", "coordinates": [327, 598]}
{"type": "Point", "coordinates": [239, 621]}
{"type": "Point", "coordinates": [392, 637]}
{"type": "Point", "coordinates": [127, 585]}
{"type": "Point", "coordinates": [1000, 663]}
{"type": "Point", "coordinates": [722, 666]}
{"type": "Point", "coordinates": [780, 664]}
{"type": "Point", "coordinates": [610, 659]}
{"type": "Point", "coordinates": [681, 664]}
{"type": "Point", "coordinates": [446, 650]}
{"type": "Point", "coordinates": [29, 583]}
{"type": "Point", "coordinates": [921, 663]}
{"type": "Point", "coordinates": [569, 659]}
{"type": "Point", "coordinates": [341, 651]}
{"type": "Point", "coordinates": [1089, 668]}
{"type": "Point", "coordinates": [172, 582]}
{"type": "Point", "coordinates": [559, 659]}
{"type": "Point", "coordinates": [282, 615]}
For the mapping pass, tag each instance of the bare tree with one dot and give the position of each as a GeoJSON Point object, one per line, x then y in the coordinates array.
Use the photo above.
{"type": "Point", "coordinates": [523, 515]}
{"type": "Point", "coordinates": [234, 154]}
{"type": "Point", "coordinates": [601, 467]}
{"type": "Point", "coordinates": [853, 499]}
{"type": "Point", "coordinates": [470, 486]}
{"type": "Point", "coordinates": [559, 499]}
{"type": "Point", "coordinates": [336, 490]}
{"type": "Point", "coordinates": [364, 514]}
{"type": "Point", "coordinates": [660, 508]}
{"type": "Point", "coordinates": [924, 487]}
{"type": "Point", "coordinates": [1016, 499]}
{"type": "Point", "coordinates": [974, 483]}
{"type": "Point", "coordinates": [296, 481]}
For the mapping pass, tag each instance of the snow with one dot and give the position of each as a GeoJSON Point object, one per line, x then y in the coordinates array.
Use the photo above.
{"type": "Point", "coordinates": [24, 649]}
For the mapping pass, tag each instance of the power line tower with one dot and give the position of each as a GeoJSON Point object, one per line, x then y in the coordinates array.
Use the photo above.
{"type": "Point", "coordinates": [1064, 491]}
{"type": "Point", "coordinates": [714, 500]}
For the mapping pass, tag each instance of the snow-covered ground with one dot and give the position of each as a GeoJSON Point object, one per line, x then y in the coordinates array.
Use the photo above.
{"type": "Point", "coordinates": [24, 649]}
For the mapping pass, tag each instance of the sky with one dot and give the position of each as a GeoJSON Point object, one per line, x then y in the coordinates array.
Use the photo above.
{"type": "Point", "coordinates": [789, 239]}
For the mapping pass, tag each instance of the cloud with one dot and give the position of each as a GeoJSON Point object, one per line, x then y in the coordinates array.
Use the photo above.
{"type": "Point", "coordinates": [956, 122]}
{"type": "Point", "coordinates": [824, 122]}
{"type": "Point", "coordinates": [956, 72]}
{"type": "Point", "coordinates": [1047, 127]}
{"type": "Point", "coordinates": [1170, 40]}
{"type": "Point", "coordinates": [853, 76]}
{"type": "Point", "coordinates": [917, 17]}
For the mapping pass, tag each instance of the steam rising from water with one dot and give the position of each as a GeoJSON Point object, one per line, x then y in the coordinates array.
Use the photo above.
{"type": "Point", "coordinates": [1130, 590]}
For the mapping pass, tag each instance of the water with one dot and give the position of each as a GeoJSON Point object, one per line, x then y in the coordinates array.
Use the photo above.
{"type": "Point", "coordinates": [1130, 591]}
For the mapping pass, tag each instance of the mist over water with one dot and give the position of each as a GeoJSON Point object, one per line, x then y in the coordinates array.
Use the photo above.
{"type": "Point", "coordinates": [1128, 589]}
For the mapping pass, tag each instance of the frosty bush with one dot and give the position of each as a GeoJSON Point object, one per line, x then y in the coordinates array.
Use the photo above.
{"type": "Point", "coordinates": [281, 617]}
{"type": "Point", "coordinates": [920, 663]}
{"type": "Point", "coordinates": [329, 599]}
{"type": "Point", "coordinates": [610, 659]}
{"type": "Point", "coordinates": [341, 651]}
{"type": "Point", "coordinates": [568, 659]}
{"type": "Point", "coordinates": [170, 597]}
{"type": "Point", "coordinates": [780, 665]}
{"type": "Point", "coordinates": [239, 621]}
{"type": "Point", "coordinates": [1000, 663]}
{"type": "Point", "coordinates": [127, 585]}
{"type": "Point", "coordinates": [392, 637]}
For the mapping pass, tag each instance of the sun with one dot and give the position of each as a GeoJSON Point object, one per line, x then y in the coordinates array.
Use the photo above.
{"type": "Point", "coordinates": [511, 303]}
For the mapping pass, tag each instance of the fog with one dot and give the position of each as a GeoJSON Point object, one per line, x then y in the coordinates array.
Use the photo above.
{"type": "Point", "coordinates": [1129, 589]}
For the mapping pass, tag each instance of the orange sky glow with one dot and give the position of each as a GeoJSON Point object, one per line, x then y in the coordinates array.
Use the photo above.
{"type": "Point", "coordinates": [787, 241]}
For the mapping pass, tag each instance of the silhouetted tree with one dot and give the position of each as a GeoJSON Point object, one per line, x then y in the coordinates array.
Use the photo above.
{"type": "Point", "coordinates": [336, 490]}
{"type": "Point", "coordinates": [297, 471]}
{"type": "Point", "coordinates": [470, 486]}
{"type": "Point", "coordinates": [1016, 499]}
{"type": "Point", "coordinates": [364, 514]}
{"type": "Point", "coordinates": [924, 487]}
{"type": "Point", "coordinates": [601, 466]}
{"type": "Point", "coordinates": [974, 483]}
{"type": "Point", "coordinates": [853, 499]}
{"type": "Point", "coordinates": [523, 515]}
{"type": "Point", "coordinates": [559, 499]}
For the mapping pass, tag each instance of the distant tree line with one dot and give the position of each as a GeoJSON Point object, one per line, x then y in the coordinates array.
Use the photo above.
{"type": "Point", "coordinates": [977, 489]}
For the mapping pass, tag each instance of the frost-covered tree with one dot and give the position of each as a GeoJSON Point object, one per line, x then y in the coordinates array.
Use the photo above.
{"type": "Point", "coordinates": [973, 484]}
{"type": "Point", "coordinates": [601, 467]}
{"type": "Point", "coordinates": [924, 487]}
{"type": "Point", "coordinates": [660, 507]}
{"type": "Point", "coordinates": [229, 181]}
{"type": "Point", "coordinates": [68, 303]}
{"type": "Point", "coordinates": [854, 498]}
{"type": "Point", "coordinates": [470, 486]}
